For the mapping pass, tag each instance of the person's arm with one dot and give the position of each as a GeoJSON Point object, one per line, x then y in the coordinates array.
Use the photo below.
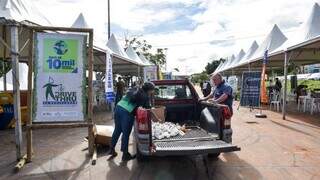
{"type": "Point", "coordinates": [226, 93]}
{"type": "Point", "coordinates": [207, 97]}
{"type": "Point", "coordinates": [222, 98]}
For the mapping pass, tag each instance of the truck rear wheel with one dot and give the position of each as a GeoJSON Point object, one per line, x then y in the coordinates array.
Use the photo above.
{"type": "Point", "coordinates": [213, 155]}
{"type": "Point", "coordinates": [141, 157]}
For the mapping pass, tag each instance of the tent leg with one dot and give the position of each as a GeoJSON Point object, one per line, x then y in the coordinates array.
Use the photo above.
{"type": "Point", "coordinates": [3, 59]}
{"type": "Point", "coordinates": [285, 69]}
{"type": "Point", "coordinates": [30, 80]}
{"type": "Point", "coordinates": [16, 88]}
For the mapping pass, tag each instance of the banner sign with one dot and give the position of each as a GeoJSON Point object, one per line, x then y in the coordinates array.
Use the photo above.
{"type": "Point", "coordinates": [59, 78]}
{"type": "Point", "coordinates": [233, 82]}
{"type": "Point", "coordinates": [110, 97]}
{"type": "Point", "coordinates": [264, 97]}
{"type": "Point", "coordinates": [150, 73]}
{"type": "Point", "coordinates": [250, 89]}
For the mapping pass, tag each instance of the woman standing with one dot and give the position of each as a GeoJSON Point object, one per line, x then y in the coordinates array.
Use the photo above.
{"type": "Point", "coordinates": [124, 117]}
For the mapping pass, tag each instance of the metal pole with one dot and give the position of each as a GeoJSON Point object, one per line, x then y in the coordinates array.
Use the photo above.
{"type": "Point", "coordinates": [4, 57]}
{"type": "Point", "coordinates": [285, 69]}
{"type": "Point", "coordinates": [30, 80]}
{"type": "Point", "coordinates": [16, 88]}
{"type": "Point", "coordinates": [90, 69]}
{"type": "Point", "coordinates": [109, 32]}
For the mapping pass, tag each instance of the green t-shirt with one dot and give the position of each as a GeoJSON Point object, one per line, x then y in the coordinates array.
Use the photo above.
{"type": "Point", "coordinates": [126, 104]}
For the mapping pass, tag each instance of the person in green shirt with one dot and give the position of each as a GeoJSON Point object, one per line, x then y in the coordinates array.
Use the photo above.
{"type": "Point", "coordinates": [125, 111]}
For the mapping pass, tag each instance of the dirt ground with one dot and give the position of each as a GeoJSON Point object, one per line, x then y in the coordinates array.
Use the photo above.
{"type": "Point", "coordinates": [271, 148]}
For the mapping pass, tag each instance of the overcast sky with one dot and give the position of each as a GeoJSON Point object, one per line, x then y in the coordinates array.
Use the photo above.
{"type": "Point", "coordinates": [193, 30]}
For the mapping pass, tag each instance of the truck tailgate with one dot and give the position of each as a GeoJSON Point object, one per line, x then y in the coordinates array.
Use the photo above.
{"type": "Point", "coordinates": [195, 141]}
{"type": "Point", "coordinates": [192, 147]}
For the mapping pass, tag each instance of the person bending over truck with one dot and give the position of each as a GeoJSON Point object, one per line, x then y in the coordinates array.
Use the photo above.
{"type": "Point", "coordinates": [124, 114]}
{"type": "Point", "coordinates": [222, 94]}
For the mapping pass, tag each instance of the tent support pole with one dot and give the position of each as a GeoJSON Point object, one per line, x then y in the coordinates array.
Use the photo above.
{"type": "Point", "coordinates": [30, 80]}
{"type": "Point", "coordinates": [285, 69]}
{"type": "Point", "coordinates": [90, 120]}
{"type": "Point", "coordinates": [16, 88]}
{"type": "Point", "coordinates": [4, 57]}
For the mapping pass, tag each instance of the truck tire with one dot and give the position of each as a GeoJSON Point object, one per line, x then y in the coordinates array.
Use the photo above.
{"type": "Point", "coordinates": [213, 155]}
{"type": "Point", "coordinates": [140, 157]}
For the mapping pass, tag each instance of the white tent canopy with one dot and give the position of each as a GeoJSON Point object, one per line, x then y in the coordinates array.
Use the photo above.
{"type": "Point", "coordinates": [80, 22]}
{"type": "Point", "coordinates": [304, 41]}
{"type": "Point", "coordinates": [311, 28]}
{"type": "Point", "coordinates": [238, 58]}
{"type": "Point", "coordinates": [21, 10]}
{"type": "Point", "coordinates": [254, 46]}
{"type": "Point", "coordinates": [133, 55]}
{"type": "Point", "coordinates": [122, 63]}
{"type": "Point", "coordinates": [273, 41]}
{"type": "Point", "coordinates": [144, 60]}
{"type": "Point", "coordinates": [114, 45]}
{"type": "Point", "coordinates": [227, 63]}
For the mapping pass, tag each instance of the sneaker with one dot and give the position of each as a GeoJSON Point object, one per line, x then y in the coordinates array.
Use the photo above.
{"type": "Point", "coordinates": [127, 157]}
{"type": "Point", "coordinates": [112, 152]}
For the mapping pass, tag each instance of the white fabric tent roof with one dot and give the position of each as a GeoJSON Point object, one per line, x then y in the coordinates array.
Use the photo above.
{"type": "Point", "coordinates": [115, 47]}
{"type": "Point", "coordinates": [122, 64]}
{"type": "Point", "coordinates": [144, 60]}
{"type": "Point", "coordinates": [311, 28]}
{"type": "Point", "coordinates": [254, 46]}
{"type": "Point", "coordinates": [80, 22]}
{"type": "Point", "coordinates": [307, 37]}
{"type": "Point", "coordinates": [20, 10]}
{"type": "Point", "coordinates": [23, 78]}
{"type": "Point", "coordinates": [227, 63]}
{"type": "Point", "coordinates": [238, 58]}
{"type": "Point", "coordinates": [219, 67]}
{"type": "Point", "coordinates": [133, 55]}
{"type": "Point", "coordinates": [273, 41]}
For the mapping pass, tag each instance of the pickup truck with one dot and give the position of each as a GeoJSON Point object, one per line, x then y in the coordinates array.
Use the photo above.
{"type": "Point", "coordinates": [210, 125]}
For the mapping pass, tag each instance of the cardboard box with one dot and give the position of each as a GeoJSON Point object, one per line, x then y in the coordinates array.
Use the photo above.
{"type": "Point", "coordinates": [159, 113]}
{"type": "Point", "coordinates": [103, 134]}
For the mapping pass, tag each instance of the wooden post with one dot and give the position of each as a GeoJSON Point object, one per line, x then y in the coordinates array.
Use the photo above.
{"type": "Point", "coordinates": [90, 68]}
{"type": "Point", "coordinates": [30, 80]}
{"type": "Point", "coordinates": [285, 69]}
{"type": "Point", "coordinates": [16, 88]}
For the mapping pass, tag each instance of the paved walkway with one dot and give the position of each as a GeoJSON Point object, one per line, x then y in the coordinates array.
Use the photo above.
{"type": "Point", "coordinates": [272, 148]}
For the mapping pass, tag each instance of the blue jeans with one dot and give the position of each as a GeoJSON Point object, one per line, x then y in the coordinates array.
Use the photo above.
{"type": "Point", "coordinates": [123, 124]}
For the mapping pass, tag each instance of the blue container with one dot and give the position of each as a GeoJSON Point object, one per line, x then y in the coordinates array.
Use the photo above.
{"type": "Point", "coordinates": [6, 116]}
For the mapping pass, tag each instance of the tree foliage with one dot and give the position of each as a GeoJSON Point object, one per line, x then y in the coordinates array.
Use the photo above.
{"type": "Point", "coordinates": [212, 66]}
{"type": "Point", "coordinates": [4, 67]}
{"type": "Point", "coordinates": [199, 77]}
{"type": "Point", "coordinates": [141, 46]}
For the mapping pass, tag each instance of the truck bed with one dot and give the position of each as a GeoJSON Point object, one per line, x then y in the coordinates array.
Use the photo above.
{"type": "Point", "coordinates": [195, 141]}
{"type": "Point", "coordinates": [195, 132]}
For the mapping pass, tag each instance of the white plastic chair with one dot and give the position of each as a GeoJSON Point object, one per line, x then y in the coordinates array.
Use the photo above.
{"type": "Point", "coordinates": [315, 105]}
{"type": "Point", "coordinates": [275, 100]}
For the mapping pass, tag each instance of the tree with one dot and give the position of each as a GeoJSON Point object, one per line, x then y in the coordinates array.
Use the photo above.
{"type": "Point", "coordinates": [4, 67]}
{"type": "Point", "coordinates": [143, 47]}
{"type": "Point", "coordinates": [199, 77]}
{"type": "Point", "coordinates": [212, 66]}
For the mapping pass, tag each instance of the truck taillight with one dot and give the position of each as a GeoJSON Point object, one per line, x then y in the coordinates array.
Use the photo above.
{"type": "Point", "coordinates": [227, 117]}
{"type": "Point", "coordinates": [142, 118]}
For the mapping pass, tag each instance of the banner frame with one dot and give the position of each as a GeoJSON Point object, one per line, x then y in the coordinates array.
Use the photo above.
{"type": "Point", "coordinates": [88, 121]}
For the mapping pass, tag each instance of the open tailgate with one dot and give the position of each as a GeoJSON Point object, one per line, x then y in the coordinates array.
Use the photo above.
{"type": "Point", "coordinates": [193, 147]}
{"type": "Point", "coordinates": [197, 141]}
